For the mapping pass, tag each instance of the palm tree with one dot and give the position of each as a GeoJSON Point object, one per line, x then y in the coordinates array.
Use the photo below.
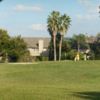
{"type": "Point", "coordinates": [53, 28]}
{"type": "Point", "coordinates": [64, 23]}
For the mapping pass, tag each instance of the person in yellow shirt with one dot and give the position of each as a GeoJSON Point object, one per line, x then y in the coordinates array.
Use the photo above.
{"type": "Point", "coordinates": [77, 57]}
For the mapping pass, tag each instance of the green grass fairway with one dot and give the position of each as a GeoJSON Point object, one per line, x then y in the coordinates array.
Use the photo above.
{"type": "Point", "coordinates": [67, 80]}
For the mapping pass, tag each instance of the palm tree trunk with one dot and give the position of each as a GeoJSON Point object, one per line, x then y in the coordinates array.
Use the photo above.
{"type": "Point", "coordinates": [78, 47]}
{"type": "Point", "coordinates": [54, 44]}
{"type": "Point", "coordinates": [60, 48]}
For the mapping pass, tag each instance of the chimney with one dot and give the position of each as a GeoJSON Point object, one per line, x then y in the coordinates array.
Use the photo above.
{"type": "Point", "coordinates": [40, 46]}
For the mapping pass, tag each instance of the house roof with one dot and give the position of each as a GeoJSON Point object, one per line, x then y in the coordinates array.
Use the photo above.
{"type": "Point", "coordinates": [32, 42]}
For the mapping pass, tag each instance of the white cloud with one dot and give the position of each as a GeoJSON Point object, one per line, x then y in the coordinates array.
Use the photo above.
{"type": "Point", "coordinates": [21, 7]}
{"type": "Point", "coordinates": [86, 17]}
{"type": "Point", "coordinates": [38, 27]}
{"type": "Point", "coordinates": [91, 10]}
{"type": "Point", "coordinates": [94, 9]}
{"type": "Point", "coordinates": [85, 2]}
{"type": "Point", "coordinates": [89, 5]}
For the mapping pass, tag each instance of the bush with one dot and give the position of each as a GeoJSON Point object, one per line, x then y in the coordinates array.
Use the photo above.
{"type": "Point", "coordinates": [13, 56]}
{"type": "Point", "coordinates": [42, 58]}
{"type": "Point", "coordinates": [71, 54]}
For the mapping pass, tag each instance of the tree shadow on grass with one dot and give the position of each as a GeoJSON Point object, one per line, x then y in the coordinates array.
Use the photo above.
{"type": "Point", "coordinates": [88, 95]}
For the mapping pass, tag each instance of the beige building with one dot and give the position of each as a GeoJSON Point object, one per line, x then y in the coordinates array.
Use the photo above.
{"type": "Point", "coordinates": [37, 46]}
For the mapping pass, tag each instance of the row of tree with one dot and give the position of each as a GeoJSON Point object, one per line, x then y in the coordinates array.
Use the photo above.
{"type": "Point", "coordinates": [14, 49]}
{"type": "Point", "coordinates": [85, 45]}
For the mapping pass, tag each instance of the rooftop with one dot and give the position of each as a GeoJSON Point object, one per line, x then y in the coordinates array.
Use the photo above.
{"type": "Point", "coordinates": [32, 42]}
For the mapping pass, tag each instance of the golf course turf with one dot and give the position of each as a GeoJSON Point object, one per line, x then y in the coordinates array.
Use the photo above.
{"type": "Point", "coordinates": [65, 80]}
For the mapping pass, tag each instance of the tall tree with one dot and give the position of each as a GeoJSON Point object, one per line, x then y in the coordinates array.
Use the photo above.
{"type": "Point", "coordinates": [63, 25]}
{"type": "Point", "coordinates": [17, 49]}
{"type": "Point", "coordinates": [4, 42]}
{"type": "Point", "coordinates": [98, 37]}
{"type": "Point", "coordinates": [52, 22]}
{"type": "Point", "coordinates": [79, 42]}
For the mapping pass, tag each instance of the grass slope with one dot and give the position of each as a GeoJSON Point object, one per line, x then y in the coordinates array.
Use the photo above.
{"type": "Point", "coordinates": [50, 81]}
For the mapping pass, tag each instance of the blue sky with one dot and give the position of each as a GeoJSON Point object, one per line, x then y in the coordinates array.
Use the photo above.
{"type": "Point", "coordinates": [28, 18]}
